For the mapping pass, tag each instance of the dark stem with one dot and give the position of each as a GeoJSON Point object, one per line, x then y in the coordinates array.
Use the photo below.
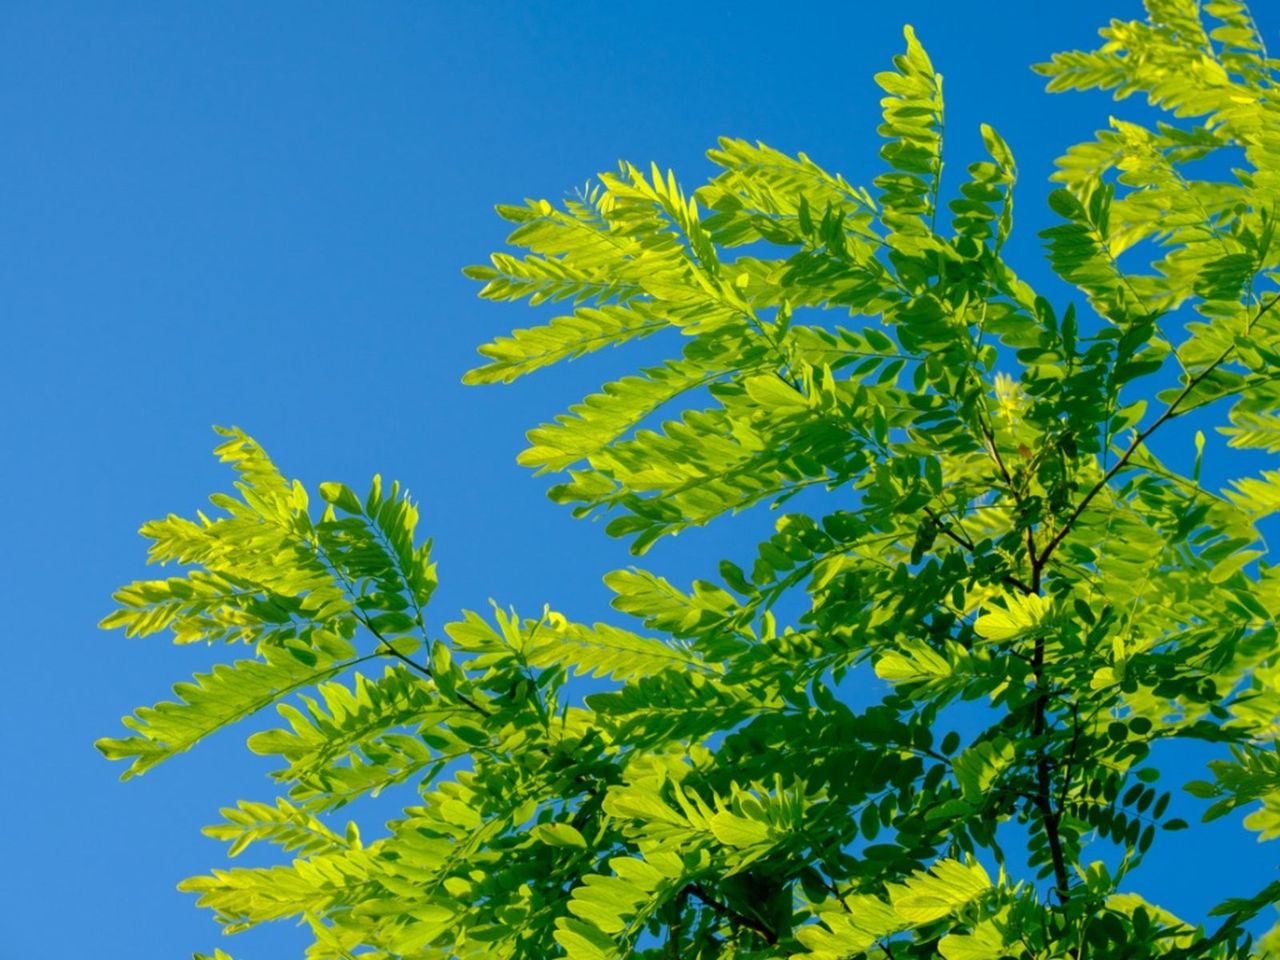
{"type": "Point", "coordinates": [674, 925]}
{"type": "Point", "coordinates": [1169, 413]}
{"type": "Point", "coordinates": [990, 437]}
{"type": "Point", "coordinates": [424, 670]}
{"type": "Point", "coordinates": [946, 530]}
{"type": "Point", "coordinates": [340, 573]}
{"type": "Point", "coordinates": [1044, 774]}
{"type": "Point", "coordinates": [1044, 798]}
{"type": "Point", "coordinates": [1044, 786]}
{"type": "Point", "coordinates": [968, 544]}
{"type": "Point", "coordinates": [699, 891]}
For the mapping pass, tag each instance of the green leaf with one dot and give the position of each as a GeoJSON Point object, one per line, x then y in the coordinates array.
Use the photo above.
{"type": "Point", "coordinates": [943, 889]}
{"type": "Point", "coordinates": [560, 835]}
{"type": "Point", "coordinates": [979, 540]}
{"type": "Point", "coordinates": [341, 496]}
{"type": "Point", "coordinates": [227, 694]}
{"type": "Point", "coordinates": [1022, 614]}
{"type": "Point", "coordinates": [735, 831]}
{"type": "Point", "coordinates": [771, 391]}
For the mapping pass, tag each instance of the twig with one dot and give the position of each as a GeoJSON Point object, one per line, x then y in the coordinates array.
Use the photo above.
{"type": "Point", "coordinates": [699, 891]}
{"type": "Point", "coordinates": [420, 668]}
{"type": "Point", "coordinates": [1170, 412]}
{"type": "Point", "coordinates": [969, 545]}
{"type": "Point", "coordinates": [990, 437]}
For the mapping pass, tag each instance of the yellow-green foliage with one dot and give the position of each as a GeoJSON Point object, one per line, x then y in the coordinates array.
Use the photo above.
{"type": "Point", "coordinates": [998, 531]}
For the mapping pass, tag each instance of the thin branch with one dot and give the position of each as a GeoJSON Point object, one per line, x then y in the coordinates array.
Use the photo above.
{"type": "Point", "coordinates": [990, 437]}
{"type": "Point", "coordinates": [674, 925]}
{"type": "Point", "coordinates": [832, 888]}
{"type": "Point", "coordinates": [1169, 413]}
{"type": "Point", "coordinates": [1050, 816]}
{"type": "Point", "coordinates": [339, 572]}
{"type": "Point", "coordinates": [964, 541]}
{"type": "Point", "coordinates": [699, 891]}
{"type": "Point", "coordinates": [946, 530]}
{"type": "Point", "coordinates": [1044, 773]}
{"type": "Point", "coordinates": [420, 668]}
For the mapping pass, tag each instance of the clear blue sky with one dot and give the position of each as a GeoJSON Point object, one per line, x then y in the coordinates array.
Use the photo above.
{"type": "Point", "coordinates": [256, 213]}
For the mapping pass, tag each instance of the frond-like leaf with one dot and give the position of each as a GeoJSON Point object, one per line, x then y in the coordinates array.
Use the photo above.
{"type": "Point", "coordinates": [913, 128]}
{"type": "Point", "coordinates": [227, 694]}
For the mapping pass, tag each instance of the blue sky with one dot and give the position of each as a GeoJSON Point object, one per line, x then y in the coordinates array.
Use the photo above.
{"type": "Point", "coordinates": [257, 214]}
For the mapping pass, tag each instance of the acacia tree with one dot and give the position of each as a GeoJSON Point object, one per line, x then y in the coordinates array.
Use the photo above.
{"type": "Point", "coordinates": [996, 530]}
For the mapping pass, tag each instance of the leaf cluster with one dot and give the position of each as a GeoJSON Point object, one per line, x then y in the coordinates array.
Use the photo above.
{"type": "Point", "coordinates": [1046, 605]}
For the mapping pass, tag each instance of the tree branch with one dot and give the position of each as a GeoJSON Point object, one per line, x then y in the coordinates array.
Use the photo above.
{"type": "Point", "coordinates": [968, 544]}
{"type": "Point", "coordinates": [699, 891]}
{"type": "Point", "coordinates": [424, 670]}
{"type": "Point", "coordinates": [1044, 780]}
{"type": "Point", "coordinates": [1044, 777]}
{"type": "Point", "coordinates": [674, 925]}
{"type": "Point", "coordinates": [990, 438]}
{"type": "Point", "coordinates": [1169, 413]}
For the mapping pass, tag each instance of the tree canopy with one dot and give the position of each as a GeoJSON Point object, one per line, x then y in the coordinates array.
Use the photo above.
{"type": "Point", "coordinates": [984, 527]}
